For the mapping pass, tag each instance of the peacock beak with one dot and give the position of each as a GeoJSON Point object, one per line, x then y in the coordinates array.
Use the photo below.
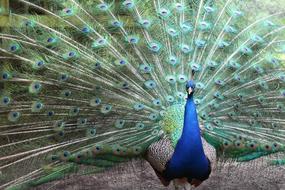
{"type": "Point", "coordinates": [190, 90]}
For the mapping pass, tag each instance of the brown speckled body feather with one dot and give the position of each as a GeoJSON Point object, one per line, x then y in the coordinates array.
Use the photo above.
{"type": "Point", "coordinates": [160, 152]}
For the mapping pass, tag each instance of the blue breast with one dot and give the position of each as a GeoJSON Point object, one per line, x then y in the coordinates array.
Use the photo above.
{"type": "Point", "coordinates": [188, 159]}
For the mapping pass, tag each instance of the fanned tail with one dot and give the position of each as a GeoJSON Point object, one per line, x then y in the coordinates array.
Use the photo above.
{"type": "Point", "coordinates": [72, 92]}
{"type": "Point", "coordinates": [98, 82]}
{"type": "Point", "coordinates": [240, 80]}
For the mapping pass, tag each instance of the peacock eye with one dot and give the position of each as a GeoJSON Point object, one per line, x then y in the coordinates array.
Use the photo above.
{"type": "Point", "coordinates": [50, 113]}
{"type": "Point", "coordinates": [37, 86]}
{"type": "Point", "coordinates": [85, 30]}
{"type": "Point", "coordinates": [63, 77]}
{"type": "Point", "coordinates": [145, 23]}
{"type": "Point", "coordinates": [50, 40]}
{"type": "Point", "coordinates": [13, 48]}
{"type": "Point", "coordinates": [71, 54]}
{"type": "Point", "coordinates": [178, 6]}
{"type": "Point", "coordinates": [170, 99]}
{"type": "Point", "coordinates": [28, 23]}
{"type": "Point", "coordinates": [275, 145]}
{"type": "Point", "coordinates": [6, 100]}
{"type": "Point", "coordinates": [68, 11]}
{"type": "Point", "coordinates": [5, 76]}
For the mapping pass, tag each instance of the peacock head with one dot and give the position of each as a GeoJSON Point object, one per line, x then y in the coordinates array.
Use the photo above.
{"type": "Point", "coordinates": [190, 87]}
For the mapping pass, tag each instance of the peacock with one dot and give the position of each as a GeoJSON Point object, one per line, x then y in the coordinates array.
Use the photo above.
{"type": "Point", "coordinates": [179, 83]}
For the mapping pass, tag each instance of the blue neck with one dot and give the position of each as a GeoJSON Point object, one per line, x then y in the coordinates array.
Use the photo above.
{"type": "Point", "coordinates": [191, 137]}
{"type": "Point", "coordinates": [189, 148]}
{"type": "Point", "coordinates": [189, 159]}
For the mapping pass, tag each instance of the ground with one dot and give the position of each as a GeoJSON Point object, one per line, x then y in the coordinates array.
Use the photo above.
{"type": "Point", "coordinates": [138, 175]}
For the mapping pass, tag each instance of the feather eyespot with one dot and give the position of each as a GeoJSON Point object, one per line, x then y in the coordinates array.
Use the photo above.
{"type": "Point", "coordinates": [117, 23]}
{"type": "Point", "coordinates": [103, 7]}
{"type": "Point", "coordinates": [5, 76]}
{"type": "Point", "coordinates": [129, 4]}
{"type": "Point", "coordinates": [145, 23]}
{"type": "Point", "coordinates": [6, 100]}
{"type": "Point", "coordinates": [85, 30]}
{"type": "Point", "coordinates": [68, 11]}
{"type": "Point", "coordinates": [50, 113]}
{"type": "Point", "coordinates": [49, 40]}
{"type": "Point", "coordinates": [140, 125]}
{"type": "Point", "coordinates": [267, 147]}
{"type": "Point", "coordinates": [14, 48]}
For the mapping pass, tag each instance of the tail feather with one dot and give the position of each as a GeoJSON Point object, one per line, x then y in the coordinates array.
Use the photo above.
{"type": "Point", "coordinates": [108, 79]}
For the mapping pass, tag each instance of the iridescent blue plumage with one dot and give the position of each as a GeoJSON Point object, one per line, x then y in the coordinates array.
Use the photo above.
{"type": "Point", "coordinates": [189, 159]}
